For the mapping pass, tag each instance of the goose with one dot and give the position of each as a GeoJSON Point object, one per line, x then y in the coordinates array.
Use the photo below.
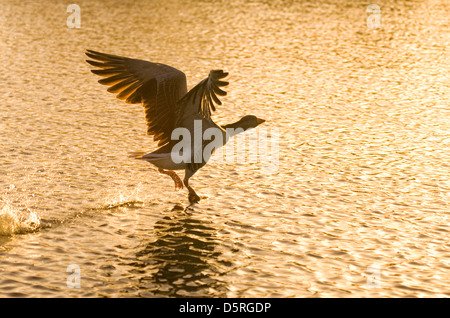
{"type": "Point", "coordinates": [169, 108]}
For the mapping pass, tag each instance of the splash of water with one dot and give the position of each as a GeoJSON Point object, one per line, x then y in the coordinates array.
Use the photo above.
{"type": "Point", "coordinates": [124, 198]}
{"type": "Point", "coordinates": [13, 221]}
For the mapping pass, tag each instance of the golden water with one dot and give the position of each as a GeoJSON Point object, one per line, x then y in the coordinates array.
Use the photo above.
{"type": "Point", "coordinates": [359, 205]}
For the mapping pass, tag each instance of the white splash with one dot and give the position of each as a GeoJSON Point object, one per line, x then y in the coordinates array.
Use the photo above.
{"type": "Point", "coordinates": [124, 197]}
{"type": "Point", "coordinates": [13, 221]}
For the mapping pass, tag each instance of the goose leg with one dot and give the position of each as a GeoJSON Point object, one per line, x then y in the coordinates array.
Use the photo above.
{"type": "Point", "coordinates": [174, 176]}
{"type": "Point", "coordinates": [193, 197]}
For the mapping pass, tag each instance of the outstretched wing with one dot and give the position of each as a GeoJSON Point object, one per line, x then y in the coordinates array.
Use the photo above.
{"type": "Point", "coordinates": [158, 87]}
{"type": "Point", "coordinates": [202, 98]}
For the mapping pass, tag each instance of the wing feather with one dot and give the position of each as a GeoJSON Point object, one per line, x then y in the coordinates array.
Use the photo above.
{"type": "Point", "coordinates": [158, 87]}
{"type": "Point", "coordinates": [203, 97]}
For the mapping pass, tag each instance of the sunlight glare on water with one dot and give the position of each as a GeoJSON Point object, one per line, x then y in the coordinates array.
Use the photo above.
{"type": "Point", "coordinates": [358, 205]}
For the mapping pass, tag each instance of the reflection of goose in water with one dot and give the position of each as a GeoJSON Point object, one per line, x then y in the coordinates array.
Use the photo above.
{"type": "Point", "coordinates": [168, 105]}
{"type": "Point", "coordinates": [181, 259]}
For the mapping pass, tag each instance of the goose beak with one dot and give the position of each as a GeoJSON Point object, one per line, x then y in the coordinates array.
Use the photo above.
{"type": "Point", "coordinates": [260, 121]}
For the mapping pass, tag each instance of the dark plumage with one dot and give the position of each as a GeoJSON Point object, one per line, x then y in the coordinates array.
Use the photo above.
{"type": "Point", "coordinates": [162, 90]}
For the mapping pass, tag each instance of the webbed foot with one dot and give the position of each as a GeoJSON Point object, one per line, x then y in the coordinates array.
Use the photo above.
{"type": "Point", "coordinates": [176, 179]}
{"type": "Point", "coordinates": [193, 198]}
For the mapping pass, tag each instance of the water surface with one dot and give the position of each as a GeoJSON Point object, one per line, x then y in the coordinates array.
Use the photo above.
{"type": "Point", "coordinates": [358, 206]}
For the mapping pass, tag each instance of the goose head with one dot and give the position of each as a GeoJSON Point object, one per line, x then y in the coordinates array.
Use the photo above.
{"type": "Point", "coordinates": [245, 123]}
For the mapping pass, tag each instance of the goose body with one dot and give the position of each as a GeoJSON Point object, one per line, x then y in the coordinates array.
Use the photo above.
{"type": "Point", "coordinates": [168, 105]}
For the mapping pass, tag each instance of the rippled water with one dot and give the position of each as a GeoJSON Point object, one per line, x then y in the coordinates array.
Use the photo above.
{"type": "Point", "coordinates": [359, 205]}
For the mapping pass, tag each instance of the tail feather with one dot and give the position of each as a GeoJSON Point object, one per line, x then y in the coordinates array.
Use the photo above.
{"type": "Point", "coordinates": [137, 154]}
{"type": "Point", "coordinates": [148, 156]}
